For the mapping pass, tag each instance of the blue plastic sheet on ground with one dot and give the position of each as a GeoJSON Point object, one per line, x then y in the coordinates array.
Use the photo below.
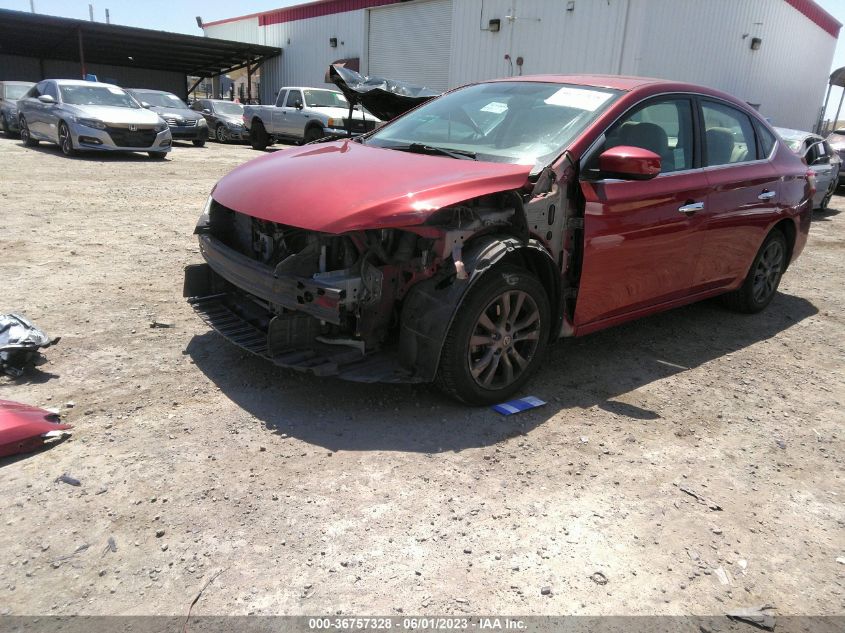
{"type": "Point", "coordinates": [518, 406]}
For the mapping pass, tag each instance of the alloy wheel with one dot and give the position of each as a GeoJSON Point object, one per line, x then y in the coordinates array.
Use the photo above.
{"type": "Point", "coordinates": [221, 134]}
{"type": "Point", "coordinates": [768, 271]}
{"type": "Point", "coordinates": [24, 131]}
{"type": "Point", "coordinates": [65, 141]}
{"type": "Point", "coordinates": [504, 339]}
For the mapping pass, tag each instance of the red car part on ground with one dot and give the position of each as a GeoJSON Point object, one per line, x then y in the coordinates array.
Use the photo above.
{"type": "Point", "coordinates": [24, 428]}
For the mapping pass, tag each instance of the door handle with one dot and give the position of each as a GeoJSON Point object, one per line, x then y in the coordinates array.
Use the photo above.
{"type": "Point", "coordinates": [767, 195]}
{"type": "Point", "coordinates": [691, 207]}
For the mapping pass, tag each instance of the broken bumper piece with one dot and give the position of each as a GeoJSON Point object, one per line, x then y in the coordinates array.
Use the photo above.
{"type": "Point", "coordinates": [20, 341]}
{"type": "Point", "coordinates": [290, 340]}
{"type": "Point", "coordinates": [24, 428]}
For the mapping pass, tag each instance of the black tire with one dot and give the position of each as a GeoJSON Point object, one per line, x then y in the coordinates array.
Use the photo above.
{"type": "Point", "coordinates": [313, 133]}
{"type": "Point", "coordinates": [761, 282]}
{"type": "Point", "coordinates": [221, 133]}
{"type": "Point", "coordinates": [157, 155]}
{"type": "Point", "coordinates": [826, 200]}
{"type": "Point", "coordinates": [66, 140]}
{"type": "Point", "coordinates": [4, 126]}
{"type": "Point", "coordinates": [26, 137]}
{"type": "Point", "coordinates": [510, 362]}
{"type": "Point", "coordinates": [258, 137]}
{"type": "Point", "coordinates": [199, 142]}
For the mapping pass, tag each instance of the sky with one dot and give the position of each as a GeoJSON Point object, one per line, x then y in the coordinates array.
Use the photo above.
{"type": "Point", "coordinates": [180, 16]}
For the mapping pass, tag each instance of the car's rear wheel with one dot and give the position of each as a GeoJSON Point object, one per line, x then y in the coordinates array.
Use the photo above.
{"type": "Point", "coordinates": [258, 137]}
{"type": "Point", "coordinates": [221, 134]}
{"type": "Point", "coordinates": [313, 134]}
{"type": "Point", "coordinates": [66, 140]}
{"type": "Point", "coordinates": [199, 142]}
{"type": "Point", "coordinates": [497, 339]}
{"type": "Point", "coordinates": [26, 137]}
{"type": "Point", "coordinates": [761, 283]}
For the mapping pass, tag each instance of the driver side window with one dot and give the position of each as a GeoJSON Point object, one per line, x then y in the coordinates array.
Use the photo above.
{"type": "Point", "coordinates": [663, 127]}
{"type": "Point", "coordinates": [294, 97]}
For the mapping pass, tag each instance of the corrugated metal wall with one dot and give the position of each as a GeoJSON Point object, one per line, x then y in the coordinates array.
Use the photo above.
{"type": "Point", "coordinates": [702, 41]}
{"type": "Point", "coordinates": [13, 67]}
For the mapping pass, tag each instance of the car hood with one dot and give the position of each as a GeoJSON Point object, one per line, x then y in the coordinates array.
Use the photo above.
{"type": "Point", "coordinates": [344, 112]}
{"type": "Point", "coordinates": [346, 186]}
{"type": "Point", "coordinates": [179, 113]}
{"type": "Point", "coordinates": [115, 114]}
{"type": "Point", "coordinates": [230, 118]}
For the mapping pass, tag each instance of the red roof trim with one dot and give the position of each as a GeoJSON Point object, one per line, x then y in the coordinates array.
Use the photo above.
{"type": "Point", "coordinates": [808, 8]}
{"type": "Point", "coordinates": [317, 9]}
{"type": "Point", "coordinates": [305, 11]}
{"type": "Point", "coordinates": [814, 12]}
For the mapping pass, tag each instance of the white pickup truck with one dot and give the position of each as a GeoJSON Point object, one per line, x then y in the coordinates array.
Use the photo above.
{"type": "Point", "coordinates": [304, 115]}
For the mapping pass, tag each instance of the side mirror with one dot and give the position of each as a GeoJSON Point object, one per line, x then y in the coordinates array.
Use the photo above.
{"type": "Point", "coordinates": [298, 105]}
{"type": "Point", "coordinates": [46, 99]}
{"type": "Point", "coordinates": [144, 104]}
{"type": "Point", "coordinates": [206, 111]}
{"type": "Point", "coordinates": [629, 163]}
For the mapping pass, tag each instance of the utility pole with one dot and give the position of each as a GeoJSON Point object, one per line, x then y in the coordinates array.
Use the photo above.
{"type": "Point", "coordinates": [91, 12]}
{"type": "Point", "coordinates": [108, 18]}
{"type": "Point", "coordinates": [32, 6]}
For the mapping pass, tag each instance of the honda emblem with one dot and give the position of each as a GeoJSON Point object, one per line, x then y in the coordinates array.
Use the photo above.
{"type": "Point", "coordinates": [133, 128]}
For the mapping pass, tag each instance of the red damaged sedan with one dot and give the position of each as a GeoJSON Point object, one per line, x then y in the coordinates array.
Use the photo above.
{"type": "Point", "coordinates": [457, 242]}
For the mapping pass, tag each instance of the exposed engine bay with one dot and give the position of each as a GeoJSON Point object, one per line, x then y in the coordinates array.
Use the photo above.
{"type": "Point", "coordinates": [334, 304]}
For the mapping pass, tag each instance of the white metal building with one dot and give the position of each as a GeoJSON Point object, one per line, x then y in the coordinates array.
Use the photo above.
{"type": "Point", "coordinates": [774, 54]}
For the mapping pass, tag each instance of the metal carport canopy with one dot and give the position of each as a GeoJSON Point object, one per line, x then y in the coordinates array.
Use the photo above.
{"type": "Point", "coordinates": [49, 37]}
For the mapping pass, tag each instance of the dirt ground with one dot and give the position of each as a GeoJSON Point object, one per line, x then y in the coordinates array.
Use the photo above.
{"type": "Point", "coordinates": [314, 496]}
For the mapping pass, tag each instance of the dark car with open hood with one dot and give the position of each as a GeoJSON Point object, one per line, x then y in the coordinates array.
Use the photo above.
{"type": "Point", "coordinates": [457, 242]}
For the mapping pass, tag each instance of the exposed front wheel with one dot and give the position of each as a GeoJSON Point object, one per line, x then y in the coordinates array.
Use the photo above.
{"type": "Point", "coordinates": [66, 140]}
{"type": "Point", "coordinates": [221, 134]}
{"type": "Point", "coordinates": [497, 339]}
{"type": "Point", "coordinates": [26, 137]}
{"type": "Point", "coordinates": [199, 142]}
{"type": "Point", "coordinates": [826, 200]}
{"type": "Point", "coordinates": [157, 155]}
{"type": "Point", "coordinates": [761, 283]}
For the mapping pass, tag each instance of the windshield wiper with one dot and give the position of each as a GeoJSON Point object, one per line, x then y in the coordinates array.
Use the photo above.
{"type": "Point", "coordinates": [420, 148]}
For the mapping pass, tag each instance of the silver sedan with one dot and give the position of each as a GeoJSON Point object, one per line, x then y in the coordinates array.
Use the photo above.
{"type": "Point", "coordinates": [820, 157]}
{"type": "Point", "coordinates": [86, 115]}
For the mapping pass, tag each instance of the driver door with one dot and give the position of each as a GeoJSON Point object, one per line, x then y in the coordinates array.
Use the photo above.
{"type": "Point", "coordinates": [294, 125]}
{"type": "Point", "coordinates": [642, 238]}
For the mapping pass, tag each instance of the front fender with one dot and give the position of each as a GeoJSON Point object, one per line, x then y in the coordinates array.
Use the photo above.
{"type": "Point", "coordinates": [431, 306]}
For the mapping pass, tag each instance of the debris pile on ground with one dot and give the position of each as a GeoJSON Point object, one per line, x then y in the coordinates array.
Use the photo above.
{"type": "Point", "coordinates": [20, 341]}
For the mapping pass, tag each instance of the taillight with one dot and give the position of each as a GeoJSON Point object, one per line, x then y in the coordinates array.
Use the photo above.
{"type": "Point", "coordinates": [811, 178]}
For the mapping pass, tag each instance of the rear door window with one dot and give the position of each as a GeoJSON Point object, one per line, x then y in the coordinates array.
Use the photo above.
{"type": "Point", "coordinates": [767, 140]}
{"type": "Point", "coordinates": [728, 135]}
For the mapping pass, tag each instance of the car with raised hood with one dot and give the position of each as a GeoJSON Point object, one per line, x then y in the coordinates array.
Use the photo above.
{"type": "Point", "coordinates": [184, 123]}
{"type": "Point", "coordinates": [224, 118]}
{"type": "Point", "coordinates": [10, 92]}
{"type": "Point", "coordinates": [303, 115]}
{"type": "Point", "coordinates": [824, 162]}
{"type": "Point", "coordinates": [85, 115]}
{"type": "Point", "coordinates": [458, 241]}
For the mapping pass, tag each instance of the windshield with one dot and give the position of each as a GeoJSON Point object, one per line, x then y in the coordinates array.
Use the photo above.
{"type": "Point", "coordinates": [325, 99]}
{"type": "Point", "coordinates": [16, 92]}
{"type": "Point", "coordinates": [161, 100]}
{"type": "Point", "coordinates": [97, 95]}
{"type": "Point", "coordinates": [228, 107]}
{"type": "Point", "coordinates": [793, 143]}
{"type": "Point", "coordinates": [510, 122]}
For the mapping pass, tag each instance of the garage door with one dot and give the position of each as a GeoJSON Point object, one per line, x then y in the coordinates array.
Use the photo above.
{"type": "Point", "coordinates": [411, 42]}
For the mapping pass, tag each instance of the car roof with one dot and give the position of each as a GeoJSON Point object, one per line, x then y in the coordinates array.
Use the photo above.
{"type": "Point", "coordinates": [615, 82]}
{"type": "Point", "coordinates": [150, 90]}
{"type": "Point", "coordinates": [82, 82]}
